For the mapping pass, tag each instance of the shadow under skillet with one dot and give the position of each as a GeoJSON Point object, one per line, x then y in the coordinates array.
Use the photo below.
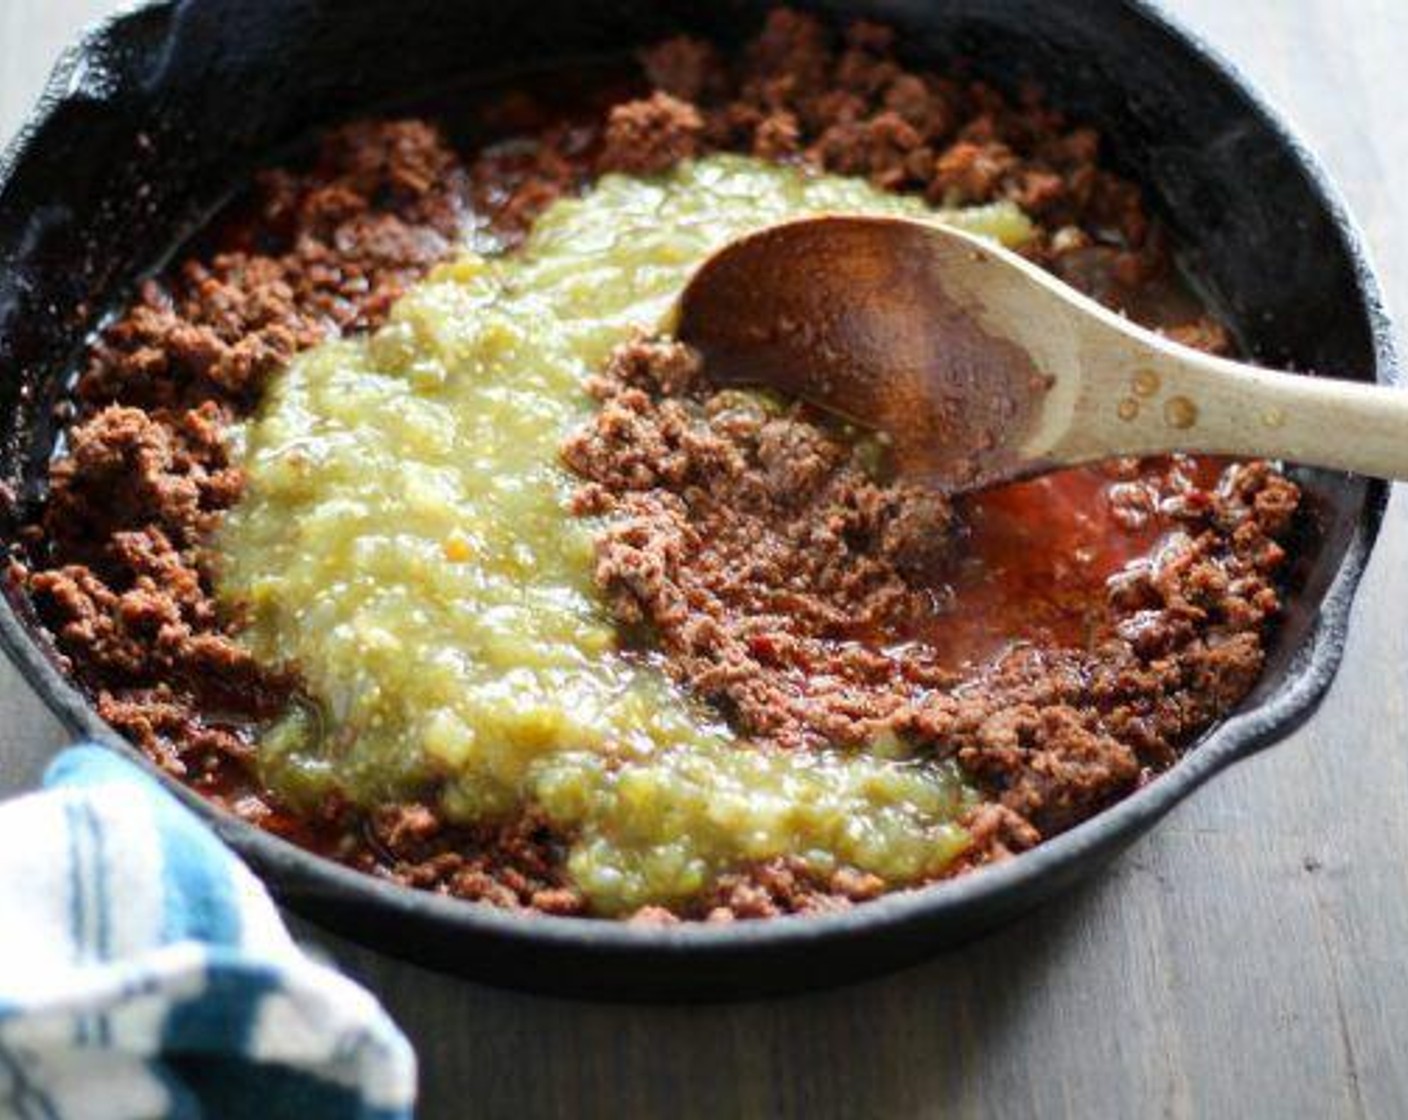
{"type": "Point", "coordinates": [520, 1055]}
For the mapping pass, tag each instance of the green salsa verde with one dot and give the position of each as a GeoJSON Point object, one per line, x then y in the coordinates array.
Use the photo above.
{"type": "Point", "coordinates": [405, 542]}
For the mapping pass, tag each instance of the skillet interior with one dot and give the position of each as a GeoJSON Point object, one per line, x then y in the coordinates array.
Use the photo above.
{"type": "Point", "coordinates": [159, 114]}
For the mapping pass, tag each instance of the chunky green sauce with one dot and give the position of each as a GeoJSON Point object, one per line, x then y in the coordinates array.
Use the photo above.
{"type": "Point", "coordinates": [405, 542]}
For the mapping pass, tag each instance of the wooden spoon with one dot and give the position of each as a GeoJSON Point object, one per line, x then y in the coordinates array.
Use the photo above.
{"type": "Point", "coordinates": [981, 367]}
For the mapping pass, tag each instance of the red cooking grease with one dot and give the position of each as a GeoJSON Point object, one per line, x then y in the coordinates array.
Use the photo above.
{"type": "Point", "coordinates": [234, 786]}
{"type": "Point", "coordinates": [1034, 561]}
{"type": "Point", "coordinates": [1035, 558]}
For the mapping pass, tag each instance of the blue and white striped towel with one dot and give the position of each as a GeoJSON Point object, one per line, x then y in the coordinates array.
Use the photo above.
{"type": "Point", "coordinates": [144, 971]}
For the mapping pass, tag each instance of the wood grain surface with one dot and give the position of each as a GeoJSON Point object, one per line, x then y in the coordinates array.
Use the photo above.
{"type": "Point", "coordinates": [1248, 959]}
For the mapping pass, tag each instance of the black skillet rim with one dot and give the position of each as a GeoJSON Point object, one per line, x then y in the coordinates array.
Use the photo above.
{"type": "Point", "coordinates": [1310, 674]}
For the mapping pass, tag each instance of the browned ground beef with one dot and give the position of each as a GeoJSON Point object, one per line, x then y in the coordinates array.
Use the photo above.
{"type": "Point", "coordinates": [759, 551]}
{"type": "Point", "coordinates": [771, 567]}
{"type": "Point", "coordinates": [779, 580]}
{"type": "Point", "coordinates": [116, 563]}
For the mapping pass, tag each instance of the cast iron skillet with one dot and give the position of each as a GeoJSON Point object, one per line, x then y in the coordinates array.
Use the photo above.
{"type": "Point", "coordinates": [150, 120]}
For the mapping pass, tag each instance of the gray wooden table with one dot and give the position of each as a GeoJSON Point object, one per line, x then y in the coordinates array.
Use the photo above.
{"type": "Point", "coordinates": [1249, 959]}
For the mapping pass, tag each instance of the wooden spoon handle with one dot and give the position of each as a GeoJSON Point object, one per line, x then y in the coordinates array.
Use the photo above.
{"type": "Point", "coordinates": [1159, 397]}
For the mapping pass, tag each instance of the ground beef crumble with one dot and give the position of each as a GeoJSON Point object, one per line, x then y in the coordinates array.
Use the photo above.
{"type": "Point", "coordinates": [757, 549]}
{"type": "Point", "coordinates": [117, 565]}
{"type": "Point", "coordinates": [755, 543]}
{"type": "Point", "coordinates": [779, 577]}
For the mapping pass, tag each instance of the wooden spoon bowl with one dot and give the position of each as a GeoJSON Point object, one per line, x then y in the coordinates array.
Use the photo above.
{"type": "Point", "coordinates": [981, 367]}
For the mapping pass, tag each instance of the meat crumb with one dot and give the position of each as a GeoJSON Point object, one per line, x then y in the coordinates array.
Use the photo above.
{"type": "Point", "coordinates": [649, 136]}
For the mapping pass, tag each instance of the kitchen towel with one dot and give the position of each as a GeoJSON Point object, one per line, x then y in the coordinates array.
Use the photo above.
{"type": "Point", "coordinates": [144, 971]}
